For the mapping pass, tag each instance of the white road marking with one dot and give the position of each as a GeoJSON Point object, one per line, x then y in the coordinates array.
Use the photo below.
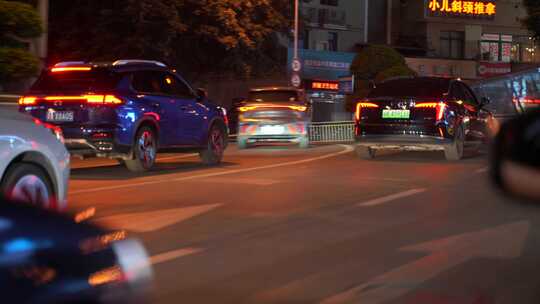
{"type": "Point", "coordinates": [172, 255]}
{"type": "Point", "coordinates": [102, 164]}
{"type": "Point", "coordinates": [246, 181]}
{"type": "Point", "coordinates": [501, 242]}
{"type": "Point", "coordinates": [482, 170]}
{"type": "Point", "coordinates": [154, 220]}
{"type": "Point", "coordinates": [347, 149]}
{"type": "Point", "coordinates": [389, 198]}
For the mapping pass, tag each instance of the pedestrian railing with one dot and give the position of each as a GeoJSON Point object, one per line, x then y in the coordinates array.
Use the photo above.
{"type": "Point", "coordinates": [331, 132]}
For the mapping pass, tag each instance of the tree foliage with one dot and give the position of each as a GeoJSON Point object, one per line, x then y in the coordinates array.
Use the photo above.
{"type": "Point", "coordinates": [395, 71]}
{"type": "Point", "coordinates": [18, 23]}
{"type": "Point", "coordinates": [16, 64]}
{"type": "Point", "coordinates": [197, 36]}
{"type": "Point", "coordinates": [375, 63]}
{"type": "Point", "coordinates": [532, 21]}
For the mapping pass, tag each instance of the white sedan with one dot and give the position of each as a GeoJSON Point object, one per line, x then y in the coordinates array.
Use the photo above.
{"type": "Point", "coordinates": [34, 164]}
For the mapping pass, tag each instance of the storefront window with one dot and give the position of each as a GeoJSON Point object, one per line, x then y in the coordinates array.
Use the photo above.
{"type": "Point", "coordinates": [496, 48]}
{"type": "Point", "coordinates": [526, 49]}
{"type": "Point", "coordinates": [452, 44]}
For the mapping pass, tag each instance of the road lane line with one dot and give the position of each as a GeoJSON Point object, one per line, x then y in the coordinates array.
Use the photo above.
{"type": "Point", "coordinates": [172, 255]}
{"type": "Point", "coordinates": [150, 221]}
{"type": "Point", "coordinates": [389, 198]}
{"type": "Point", "coordinates": [112, 163]}
{"type": "Point", "coordinates": [347, 149]}
{"type": "Point", "coordinates": [482, 170]}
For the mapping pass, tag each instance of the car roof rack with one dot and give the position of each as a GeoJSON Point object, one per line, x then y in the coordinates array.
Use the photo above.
{"type": "Point", "coordinates": [125, 62]}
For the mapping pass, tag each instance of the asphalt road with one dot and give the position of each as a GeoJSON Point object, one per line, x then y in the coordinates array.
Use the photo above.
{"type": "Point", "coordinates": [284, 225]}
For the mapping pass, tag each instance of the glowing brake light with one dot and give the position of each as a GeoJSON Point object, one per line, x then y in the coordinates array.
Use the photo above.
{"type": "Point", "coordinates": [70, 69]}
{"type": "Point", "coordinates": [103, 99]}
{"type": "Point", "coordinates": [439, 107]}
{"type": "Point", "coordinates": [91, 99]}
{"type": "Point", "coordinates": [361, 105]}
{"type": "Point", "coordinates": [55, 130]}
{"type": "Point", "coordinates": [298, 108]}
{"type": "Point", "coordinates": [27, 100]}
{"type": "Point", "coordinates": [245, 109]}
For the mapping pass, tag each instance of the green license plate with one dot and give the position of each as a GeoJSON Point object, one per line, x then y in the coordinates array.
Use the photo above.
{"type": "Point", "coordinates": [396, 114]}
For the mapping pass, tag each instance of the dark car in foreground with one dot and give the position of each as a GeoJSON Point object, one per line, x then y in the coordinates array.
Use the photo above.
{"type": "Point", "coordinates": [127, 110]}
{"type": "Point", "coordinates": [273, 115]}
{"type": "Point", "coordinates": [46, 258]}
{"type": "Point", "coordinates": [422, 113]}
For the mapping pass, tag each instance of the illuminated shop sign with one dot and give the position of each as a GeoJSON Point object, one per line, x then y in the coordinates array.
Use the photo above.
{"type": "Point", "coordinates": [460, 8]}
{"type": "Point", "coordinates": [325, 85]}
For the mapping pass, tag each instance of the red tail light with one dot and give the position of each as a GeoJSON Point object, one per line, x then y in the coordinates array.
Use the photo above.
{"type": "Point", "coordinates": [70, 69]}
{"type": "Point", "coordinates": [90, 99]}
{"type": "Point", "coordinates": [439, 107]}
{"type": "Point", "coordinates": [361, 105]}
{"type": "Point", "coordinates": [55, 130]}
{"type": "Point", "coordinates": [27, 100]}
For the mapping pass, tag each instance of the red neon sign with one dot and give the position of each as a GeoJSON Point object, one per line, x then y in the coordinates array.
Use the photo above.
{"type": "Point", "coordinates": [324, 85]}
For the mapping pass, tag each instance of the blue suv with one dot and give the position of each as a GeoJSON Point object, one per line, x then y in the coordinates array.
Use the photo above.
{"type": "Point", "coordinates": [127, 110]}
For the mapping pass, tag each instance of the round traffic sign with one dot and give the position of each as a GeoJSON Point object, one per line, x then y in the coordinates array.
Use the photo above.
{"type": "Point", "coordinates": [296, 65]}
{"type": "Point", "coordinates": [296, 81]}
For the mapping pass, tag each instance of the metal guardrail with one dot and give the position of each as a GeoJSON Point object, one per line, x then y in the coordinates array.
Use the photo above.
{"type": "Point", "coordinates": [331, 132]}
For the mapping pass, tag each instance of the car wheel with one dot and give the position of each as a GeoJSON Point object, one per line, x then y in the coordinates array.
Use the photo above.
{"type": "Point", "coordinates": [454, 151]}
{"type": "Point", "coordinates": [28, 183]}
{"type": "Point", "coordinates": [144, 151]}
{"type": "Point", "coordinates": [213, 153]}
{"type": "Point", "coordinates": [241, 143]}
{"type": "Point", "coordinates": [304, 143]}
{"type": "Point", "coordinates": [365, 152]}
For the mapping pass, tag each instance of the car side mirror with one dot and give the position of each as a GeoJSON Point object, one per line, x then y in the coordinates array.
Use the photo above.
{"type": "Point", "coordinates": [484, 101]}
{"type": "Point", "coordinates": [202, 94]}
{"type": "Point", "coordinates": [515, 161]}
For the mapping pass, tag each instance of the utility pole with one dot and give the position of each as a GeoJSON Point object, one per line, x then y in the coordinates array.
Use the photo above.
{"type": "Point", "coordinates": [295, 29]}
{"type": "Point", "coordinates": [296, 79]}
{"type": "Point", "coordinates": [42, 41]}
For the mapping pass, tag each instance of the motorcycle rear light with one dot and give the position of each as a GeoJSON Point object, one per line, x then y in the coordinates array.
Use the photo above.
{"type": "Point", "coordinates": [27, 100]}
{"type": "Point", "coordinates": [361, 105]}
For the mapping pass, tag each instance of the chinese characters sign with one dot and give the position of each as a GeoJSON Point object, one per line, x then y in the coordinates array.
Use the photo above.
{"type": "Point", "coordinates": [324, 85]}
{"type": "Point", "coordinates": [460, 8]}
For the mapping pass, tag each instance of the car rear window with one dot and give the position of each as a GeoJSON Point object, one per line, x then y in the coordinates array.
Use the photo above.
{"type": "Point", "coordinates": [77, 81]}
{"type": "Point", "coordinates": [273, 96]}
{"type": "Point", "coordinates": [414, 87]}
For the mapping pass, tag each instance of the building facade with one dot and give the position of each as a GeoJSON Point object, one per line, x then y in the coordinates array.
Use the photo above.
{"type": "Point", "coordinates": [333, 25]}
{"type": "Point", "coordinates": [471, 39]}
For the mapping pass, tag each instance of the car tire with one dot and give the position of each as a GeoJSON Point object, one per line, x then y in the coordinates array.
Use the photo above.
{"type": "Point", "coordinates": [364, 152]}
{"type": "Point", "coordinates": [28, 183]}
{"type": "Point", "coordinates": [212, 154]}
{"type": "Point", "coordinates": [144, 151]}
{"type": "Point", "coordinates": [454, 151]}
{"type": "Point", "coordinates": [304, 143]}
{"type": "Point", "coordinates": [241, 143]}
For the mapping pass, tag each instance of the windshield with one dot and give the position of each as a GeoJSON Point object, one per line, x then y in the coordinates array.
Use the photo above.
{"type": "Point", "coordinates": [415, 87]}
{"type": "Point", "coordinates": [77, 81]}
{"type": "Point", "coordinates": [273, 96]}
